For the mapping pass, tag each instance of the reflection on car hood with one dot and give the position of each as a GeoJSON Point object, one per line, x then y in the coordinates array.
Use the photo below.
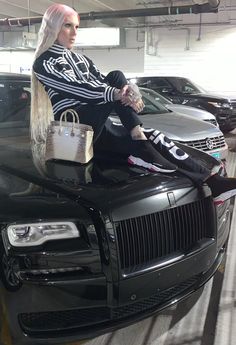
{"type": "Point", "coordinates": [191, 111]}
{"type": "Point", "coordinates": [102, 183]}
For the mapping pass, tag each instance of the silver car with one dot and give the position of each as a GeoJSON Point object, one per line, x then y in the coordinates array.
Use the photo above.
{"type": "Point", "coordinates": [181, 109]}
{"type": "Point", "coordinates": [182, 128]}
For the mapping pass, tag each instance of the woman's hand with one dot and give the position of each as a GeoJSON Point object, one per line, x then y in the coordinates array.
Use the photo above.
{"type": "Point", "coordinates": [138, 105]}
{"type": "Point", "coordinates": [120, 93]}
{"type": "Point", "coordinates": [130, 96]}
{"type": "Point", "coordinates": [133, 98]}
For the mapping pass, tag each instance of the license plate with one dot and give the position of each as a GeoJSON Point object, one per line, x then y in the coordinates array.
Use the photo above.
{"type": "Point", "coordinates": [216, 155]}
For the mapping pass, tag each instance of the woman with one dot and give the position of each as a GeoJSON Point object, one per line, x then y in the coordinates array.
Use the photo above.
{"type": "Point", "coordinates": [62, 79]}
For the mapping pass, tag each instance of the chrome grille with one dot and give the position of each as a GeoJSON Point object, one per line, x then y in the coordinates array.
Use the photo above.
{"type": "Point", "coordinates": [152, 237]}
{"type": "Point", "coordinates": [207, 144]}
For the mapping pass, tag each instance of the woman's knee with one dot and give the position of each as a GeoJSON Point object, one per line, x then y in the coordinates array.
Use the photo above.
{"type": "Point", "coordinates": [116, 78]}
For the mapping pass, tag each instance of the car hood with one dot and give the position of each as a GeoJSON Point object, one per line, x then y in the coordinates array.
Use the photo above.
{"type": "Point", "coordinates": [103, 184]}
{"type": "Point", "coordinates": [180, 127]}
{"type": "Point", "coordinates": [211, 97]}
{"type": "Point", "coordinates": [190, 111]}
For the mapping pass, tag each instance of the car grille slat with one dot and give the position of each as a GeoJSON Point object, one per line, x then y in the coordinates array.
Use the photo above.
{"type": "Point", "coordinates": [133, 253]}
{"type": "Point", "coordinates": [215, 142]}
{"type": "Point", "coordinates": [155, 236]}
{"type": "Point", "coordinates": [197, 225]}
{"type": "Point", "coordinates": [161, 228]}
{"type": "Point", "coordinates": [149, 238]}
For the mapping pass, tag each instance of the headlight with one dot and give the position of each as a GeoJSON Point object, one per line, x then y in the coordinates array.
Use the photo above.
{"type": "Point", "coordinates": [220, 105]}
{"type": "Point", "coordinates": [26, 235]}
{"type": "Point", "coordinates": [226, 105]}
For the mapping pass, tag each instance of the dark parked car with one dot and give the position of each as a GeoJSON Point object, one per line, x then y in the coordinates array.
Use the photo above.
{"type": "Point", "coordinates": [182, 90]}
{"type": "Point", "coordinates": [85, 249]}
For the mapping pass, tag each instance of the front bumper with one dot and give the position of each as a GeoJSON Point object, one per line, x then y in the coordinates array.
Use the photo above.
{"type": "Point", "coordinates": [226, 118]}
{"type": "Point", "coordinates": [48, 312]}
{"type": "Point", "coordinates": [221, 153]}
{"type": "Point", "coordinates": [125, 275]}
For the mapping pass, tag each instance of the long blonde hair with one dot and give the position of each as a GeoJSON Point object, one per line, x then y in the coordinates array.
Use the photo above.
{"type": "Point", "coordinates": [41, 108]}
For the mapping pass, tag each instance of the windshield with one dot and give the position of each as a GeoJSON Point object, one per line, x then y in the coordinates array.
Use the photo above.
{"type": "Point", "coordinates": [184, 85]}
{"type": "Point", "coordinates": [159, 98]}
{"type": "Point", "coordinates": [151, 104]}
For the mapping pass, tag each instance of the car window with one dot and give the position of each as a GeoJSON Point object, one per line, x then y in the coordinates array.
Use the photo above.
{"type": "Point", "coordinates": [14, 105]}
{"type": "Point", "coordinates": [159, 98]}
{"type": "Point", "coordinates": [184, 85]}
{"type": "Point", "coordinates": [157, 84]}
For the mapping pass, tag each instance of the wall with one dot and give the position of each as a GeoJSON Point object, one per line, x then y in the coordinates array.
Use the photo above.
{"type": "Point", "coordinates": [16, 61]}
{"type": "Point", "coordinates": [209, 62]}
{"type": "Point", "coordinates": [128, 59]}
{"type": "Point", "coordinates": [209, 59]}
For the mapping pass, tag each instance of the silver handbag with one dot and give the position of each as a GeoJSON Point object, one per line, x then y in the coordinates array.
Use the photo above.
{"type": "Point", "coordinates": [70, 141]}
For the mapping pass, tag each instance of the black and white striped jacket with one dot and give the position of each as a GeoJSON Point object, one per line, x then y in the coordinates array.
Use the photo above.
{"type": "Point", "coordinates": [71, 79]}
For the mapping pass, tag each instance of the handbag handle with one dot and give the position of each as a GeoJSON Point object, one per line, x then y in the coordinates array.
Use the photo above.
{"type": "Point", "coordinates": [75, 119]}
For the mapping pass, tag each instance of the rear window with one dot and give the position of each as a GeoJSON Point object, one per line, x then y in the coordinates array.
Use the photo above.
{"type": "Point", "coordinates": [184, 85]}
{"type": "Point", "coordinates": [158, 84]}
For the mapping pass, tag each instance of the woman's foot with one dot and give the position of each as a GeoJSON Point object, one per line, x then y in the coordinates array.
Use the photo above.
{"type": "Point", "coordinates": [146, 156]}
{"type": "Point", "coordinates": [137, 133]}
{"type": "Point", "coordinates": [222, 188]}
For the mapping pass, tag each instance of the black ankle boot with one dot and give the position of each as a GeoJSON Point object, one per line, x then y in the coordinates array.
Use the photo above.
{"type": "Point", "coordinates": [222, 188]}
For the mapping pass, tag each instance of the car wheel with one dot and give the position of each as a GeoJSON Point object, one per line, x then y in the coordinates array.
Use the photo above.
{"type": "Point", "coordinates": [9, 277]}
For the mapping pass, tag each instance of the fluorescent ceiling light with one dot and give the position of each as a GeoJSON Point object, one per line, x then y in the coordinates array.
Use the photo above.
{"type": "Point", "coordinates": [98, 37]}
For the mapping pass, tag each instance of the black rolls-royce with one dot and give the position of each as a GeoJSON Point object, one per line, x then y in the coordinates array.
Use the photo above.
{"type": "Point", "coordinates": [86, 249]}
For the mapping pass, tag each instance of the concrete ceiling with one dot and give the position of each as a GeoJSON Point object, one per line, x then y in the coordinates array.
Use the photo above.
{"type": "Point", "coordinates": [31, 8]}
{"type": "Point", "coordinates": [23, 8]}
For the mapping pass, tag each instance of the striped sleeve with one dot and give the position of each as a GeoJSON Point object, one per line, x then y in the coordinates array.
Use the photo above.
{"type": "Point", "coordinates": [93, 70]}
{"type": "Point", "coordinates": [62, 79]}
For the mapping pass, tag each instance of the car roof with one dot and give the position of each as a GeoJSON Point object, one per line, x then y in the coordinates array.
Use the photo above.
{"type": "Point", "coordinates": [161, 76]}
{"type": "Point", "coordinates": [12, 76]}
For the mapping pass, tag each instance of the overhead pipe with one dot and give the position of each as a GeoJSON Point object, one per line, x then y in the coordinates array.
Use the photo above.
{"type": "Point", "coordinates": [214, 3]}
{"type": "Point", "coordinates": [144, 12]}
{"type": "Point", "coordinates": [25, 21]}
